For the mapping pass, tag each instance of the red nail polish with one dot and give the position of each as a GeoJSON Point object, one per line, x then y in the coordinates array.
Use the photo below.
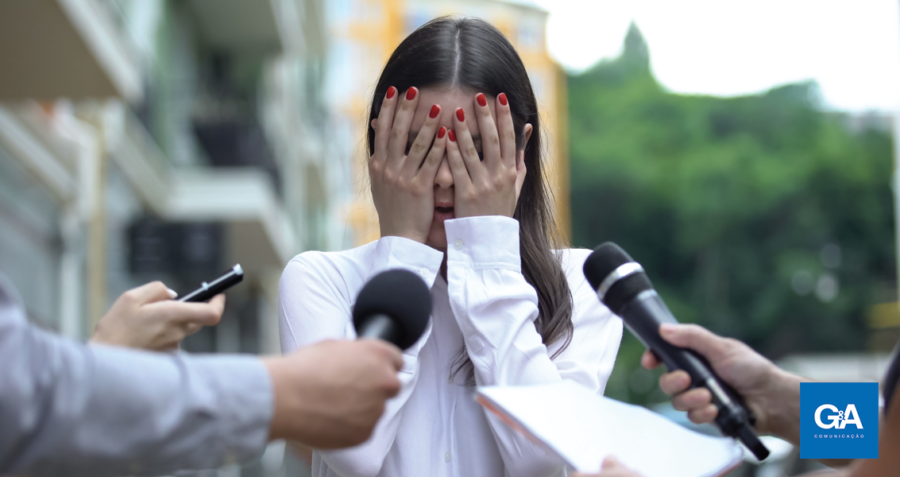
{"type": "Point", "coordinates": [435, 110]}
{"type": "Point", "coordinates": [391, 92]}
{"type": "Point", "coordinates": [441, 132]}
{"type": "Point", "coordinates": [452, 136]}
{"type": "Point", "coordinates": [411, 93]}
{"type": "Point", "coordinates": [503, 100]}
{"type": "Point", "coordinates": [482, 101]}
{"type": "Point", "coordinates": [460, 115]}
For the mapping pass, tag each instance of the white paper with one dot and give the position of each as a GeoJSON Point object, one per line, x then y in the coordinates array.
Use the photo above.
{"type": "Point", "coordinates": [583, 428]}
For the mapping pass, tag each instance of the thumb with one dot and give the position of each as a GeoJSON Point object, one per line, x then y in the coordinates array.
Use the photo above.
{"type": "Point", "coordinates": [393, 353]}
{"type": "Point", "coordinates": [695, 337]}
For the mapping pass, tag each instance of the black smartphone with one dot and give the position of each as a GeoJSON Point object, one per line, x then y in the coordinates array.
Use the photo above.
{"type": "Point", "coordinates": [208, 290]}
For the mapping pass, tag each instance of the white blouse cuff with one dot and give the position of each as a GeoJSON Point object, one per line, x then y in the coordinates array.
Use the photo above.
{"type": "Point", "coordinates": [490, 241]}
{"type": "Point", "coordinates": [399, 252]}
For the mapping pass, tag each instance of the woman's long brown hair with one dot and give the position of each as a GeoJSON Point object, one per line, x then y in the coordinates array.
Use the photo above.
{"type": "Point", "coordinates": [469, 52]}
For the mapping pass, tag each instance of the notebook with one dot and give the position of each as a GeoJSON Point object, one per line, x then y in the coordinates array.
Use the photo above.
{"type": "Point", "coordinates": [583, 428]}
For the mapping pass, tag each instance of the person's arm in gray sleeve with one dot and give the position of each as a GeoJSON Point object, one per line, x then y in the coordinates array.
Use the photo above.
{"type": "Point", "coordinates": [70, 409]}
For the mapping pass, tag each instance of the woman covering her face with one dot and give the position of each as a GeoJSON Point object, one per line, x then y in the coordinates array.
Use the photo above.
{"type": "Point", "coordinates": [457, 178]}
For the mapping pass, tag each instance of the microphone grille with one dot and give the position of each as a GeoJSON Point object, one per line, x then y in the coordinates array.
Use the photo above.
{"type": "Point", "coordinates": [602, 261]}
{"type": "Point", "coordinates": [400, 294]}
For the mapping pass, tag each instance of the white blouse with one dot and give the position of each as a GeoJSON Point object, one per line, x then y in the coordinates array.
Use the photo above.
{"type": "Point", "coordinates": [434, 427]}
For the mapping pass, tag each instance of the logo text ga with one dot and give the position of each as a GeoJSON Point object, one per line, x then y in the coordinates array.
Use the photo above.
{"type": "Point", "coordinates": [839, 419]}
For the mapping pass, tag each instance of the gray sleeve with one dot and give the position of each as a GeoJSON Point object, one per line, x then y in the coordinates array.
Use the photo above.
{"type": "Point", "coordinates": [72, 409]}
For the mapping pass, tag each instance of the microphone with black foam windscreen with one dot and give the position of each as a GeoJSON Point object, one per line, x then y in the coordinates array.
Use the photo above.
{"type": "Point", "coordinates": [624, 288]}
{"type": "Point", "coordinates": [393, 306]}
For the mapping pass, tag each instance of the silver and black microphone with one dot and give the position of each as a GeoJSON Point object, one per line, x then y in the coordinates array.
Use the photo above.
{"type": "Point", "coordinates": [624, 288]}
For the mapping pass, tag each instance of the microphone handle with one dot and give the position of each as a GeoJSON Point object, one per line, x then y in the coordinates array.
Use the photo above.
{"type": "Point", "coordinates": [380, 326]}
{"type": "Point", "coordinates": [642, 316]}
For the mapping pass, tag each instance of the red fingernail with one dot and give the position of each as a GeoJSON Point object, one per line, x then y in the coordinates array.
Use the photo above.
{"type": "Point", "coordinates": [452, 136]}
{"type": "Point", "coordinates": [391, 92]}
{"type": "Point", "coordinates": [435, 110]}
{"type": "Point", "coordinates": [460, 115]}
{"type": "Point", "coordinates": [503, 100]}
{"type": "Point", "coordinates": [411, 93]}
{"type": "Point", "coordinates": [441, 132]}
{"type": "Point", "coordinates": [482, 101]}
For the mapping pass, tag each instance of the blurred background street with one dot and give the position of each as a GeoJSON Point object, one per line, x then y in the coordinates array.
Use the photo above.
{"type": "Point", "coordinates": [744, 155]}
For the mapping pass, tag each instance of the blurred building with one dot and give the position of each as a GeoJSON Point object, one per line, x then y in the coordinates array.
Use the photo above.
{"type": "Point", "coordinates": [164, 139]}
{"type": "Point", "coordinates": [364, 33]}
{"type": "Point", "coordinates": [161, 139]}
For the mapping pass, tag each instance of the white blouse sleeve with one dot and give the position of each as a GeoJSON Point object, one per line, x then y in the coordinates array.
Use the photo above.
{"type": "Point", "coordinates": [496, 307]}
{"type": "Point", "coordinates": [315, 302]}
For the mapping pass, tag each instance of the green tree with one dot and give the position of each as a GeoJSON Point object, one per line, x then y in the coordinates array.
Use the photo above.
{"type": "Point", "coordinates": [761, 217]}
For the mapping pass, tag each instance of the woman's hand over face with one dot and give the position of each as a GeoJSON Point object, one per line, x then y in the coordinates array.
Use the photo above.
{"type": "Point", "coordinates": [403, 184]}
{"type": "Point", "coordinates": [491, 186]}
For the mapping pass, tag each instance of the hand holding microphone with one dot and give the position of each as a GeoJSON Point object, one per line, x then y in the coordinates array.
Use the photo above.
{"type": "Point", "coordinates": [771, 393]}
{"type": "Point", "coordinates": [331, 394]}
{"type": "Point", "coordinates": [622, 285]}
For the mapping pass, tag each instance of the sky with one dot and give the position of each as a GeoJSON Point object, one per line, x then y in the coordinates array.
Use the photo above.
{"type": "Point", "coordinates": [727, 48]}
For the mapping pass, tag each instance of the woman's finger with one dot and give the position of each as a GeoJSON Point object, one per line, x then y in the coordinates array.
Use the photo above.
{"type": "Point", "coordinates": [466, 147]}
{"type": "Point", "coordinates": [461, 180]}
{"type": "Point", "coordinates": [383, 124]}
{"type": "Point", "coordinates": [422, 144]}
{"type": "Point", "coordinates": [490, 139]}
{"type": "Point", "coordinates": [435, 156]}
{"type": "Point", "coordinates": [400, 129]}
{"type": "Point", "coordinates": [506, 130]}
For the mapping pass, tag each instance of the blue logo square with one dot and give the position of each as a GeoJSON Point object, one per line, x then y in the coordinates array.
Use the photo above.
{"type": "Point", "coordinates": [839, 420]}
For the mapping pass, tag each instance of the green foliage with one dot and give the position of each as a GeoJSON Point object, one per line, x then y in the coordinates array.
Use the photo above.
{"type": "Point", "coordinates": [735, 206]}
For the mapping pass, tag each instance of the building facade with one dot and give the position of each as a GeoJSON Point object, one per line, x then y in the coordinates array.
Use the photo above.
{"type": "Point", "coordinates": [164, 140]}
